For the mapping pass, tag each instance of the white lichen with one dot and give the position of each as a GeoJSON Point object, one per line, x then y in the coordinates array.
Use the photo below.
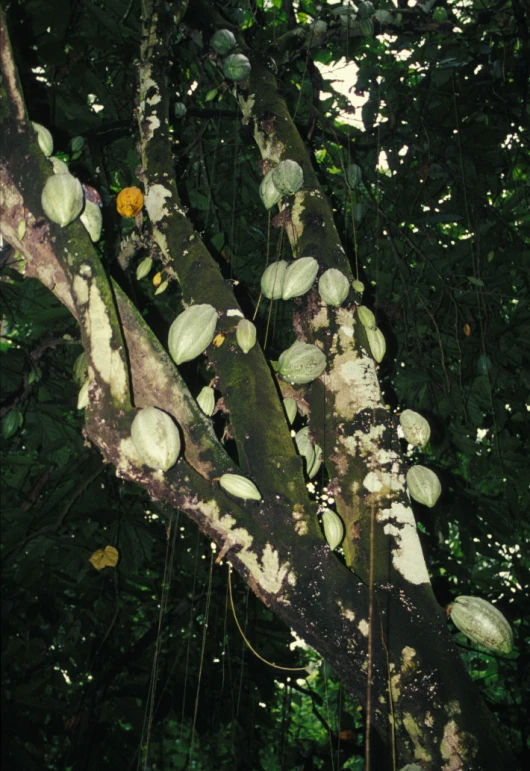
{"type": "Point", "coordinates": [407, 555]}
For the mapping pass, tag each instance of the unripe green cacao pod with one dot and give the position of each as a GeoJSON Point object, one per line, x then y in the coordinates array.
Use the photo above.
{"type": "Point", "coordinates": [272, 280]}
{"type": "Point", "coordinates": [156, 438]}
{"type": "Point", "coordinates": [333, 528]}
{"type": "Point", "coordinates": [288, 177]}
{"type": "Point", "coordinates": [299, 277]}
{"type": "Point", "coordinates": [366, 317]}
{"type": "Point", "coordinates": [269, 193]}
{"type": "Point", "coordinates": [416, 429]}
{"type": "Point", "coordinates": [236, 67]}
{"type": "Point", "coordinates": [246, 335]}
{"type": "Point", "coordinates": [144, 268]}
{"type": "Point", "coordinates": [179, 109]}
{"type": "Point", "coordinates": [305, 447]}
{"type": "Point", "coordinates": [62, 199]}
{"type": "Point", "coordinates": [439, 14]}
{"type": "Point", "coordinates": [377, 343]}
{"type": "Point", "coordinates": [192, 332]}
{"type": "Point", "coordinates": [383, 17]}
{"type": "Point", "coordinates": [92, 220]}
{"type": "Point", "coordinates": [424, 486]}
{"type": "Point", "coordinates": [59, 167]}
{"type": "Point", "coordinates": [206, 400]}
{"type": "Point", "coordinates": [365, 9]}
{"type": "Point", "coordinates": [319, 28]}
{"type": "Point", "coordinates": [483, 623]}
{"type": "Point", "coordinates": [313, 470]}
{"type": "Point", "coordinates": [359, 209]}
{"type": "Point", "coordinates": [353, 175]}
{"type": "Point", "coordinates": [82, 397]}
{"type": "Point", "coordinates": [333, 287]}
{"type": "Point", "coordinates": [222, 41]}
{"type": "Point", "coordinates": [291, 408]}
{"type": "Point", "coordinates": [301, 363]}
{"type": "Point", "coordinates": [358, 286]}
{"type": "Point", "coordinates": [81, 369]}
{"type": "Point", "coordinates": [240, 487]}
{"type": "Point", "coordinates": [44, 138]}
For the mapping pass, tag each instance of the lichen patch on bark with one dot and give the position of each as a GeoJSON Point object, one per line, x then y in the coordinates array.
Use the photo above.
{"type": "Point", "coordinates": [407, 555]}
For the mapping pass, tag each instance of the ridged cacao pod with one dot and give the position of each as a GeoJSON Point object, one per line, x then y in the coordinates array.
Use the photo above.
{"type": "Point", "coordinates": [272, 280]}
{"type": "Point", "coordinates": [288, 177]}
{"type": "Point", "coordinates": [353, 175]}
{"type": "Point", "coordinates": [179, 109]}
{"type": "Point", "coordinates": [317, 462]}
{"type": "Point", "coordinates": [92, 219]}
{"type": "Point", "coordinates": [301, 363]}
{"type": "Point", "coordinates": [223, 41]}
{"type": "Point", "coordinates": [365, 9]}
{"type": "Point", "coordinates": [366, 317]}
{"type": "Point", "coordinates": [269, 193]}
{"type": "Point", "coordinates": [358, 286]}
{"type": "Point", "coordinates": [333, 528]}
{"type": "Point", "coordinates": [130, 201]}
{"type": "Point", "coordinates": [291, 408]}
{"type": "Point", "coordinates": [424, 486]}
{"type": "Point", "coordinates": [192, 332]}
{"type": "Point", "coordinates": [240, 487]}
{"type": "Point", "coordinates": [144, 268]}
{"type": "Point", "coordinates": [59, 167]}
{"type": "Point", "coordinates": [156, 438]}
{"type": "Point", "coordinates": [206, 400]}
{"type": "Point", "coordinates": [377, 343]}
{"type": "Point", "coordinates": [246, 335]}
{"type": "Point", "coordinates": [416, 429]}
{"type": "Point", "coordinates": [81, 369]}
{"type": "Point", "coordinates": [299, 277]}
{"type": "Point", "coordinates": [333, 287]}
{"type": "Point", "coordinates": [236, 67]}
{"type": "Point", "coordinates": [62, 199]}
{"type": "Point", "coordinates": [82, 397]}
{"type": "Point", "coordinates": [44, 138]}
{"type": "Point", "coordinates": [305, 447]}
{"type": "Point", "coordinates": [483, 623]}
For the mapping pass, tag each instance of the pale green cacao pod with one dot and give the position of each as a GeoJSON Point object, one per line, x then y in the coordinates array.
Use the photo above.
{"type": "Point", "coordinates": [299, 277]}
{"type": "Point", "coordinates": [301, 363]}
{"type": "Point", "coordinates": [288, 177]}
{"type": "Point", "coordinates": [353, 175]}
{"type": "Point", "coordinates": [62, 199]}
{"type": "Point", "coordinates": [272, 280]}
{"type": "Point", "coordinates": [144, 268]}
{"type": "Point", "coordinates": [383, 17]}
{"type": "Point", "coordinates": [483, 623]}
{"type": "Point", "coordinates": [317, 462]}
{"type": "Point", "coordinates": [246, 335]}
{"type": "Point", "coordinates": [223, 41]}
{"type": "Point", "coordinates": [305, 447]}
{"type": "Point", "coordinates": [179, 109]}
{"type": "Point", "coordinates": [333, 528]}
{"type": "Point", "coordinates": [92, 220]}
{"type": "Point", "coordinates": [206, 400]}
{"type": "Point", "coordinates": [333, 287]}
{"type": "Point", "coordinates": [366, 317]}
{"type": "Point", "coordinates": [269, 193]}
{"type": "Point", "coordinates": [291, 408]}
{"type": "Point", "coordinates": [236, 67]}
{"type": "Point", "coordinates": [82, 398]}
{"type": "Point", "coordinates": [59, 167]}
{"type": "Point", "coordinates": [44, 138]}
{"type": "Point", "coordinates": [192, 332]}
{"type": "Point", "coordinates": [424, 486]}
{"type": "Point", "coordinates": [416, 429]}
{"type": "Point", "coordinates": [358, 286]}
{"type": "Point", "coordinates": [377, 343]}
{"type": "Point", "coordinates": [81, 368]}
{"type": "Point", "coordinates": [156, 438]}
{"type": "Point", "coordinates": [240, 487]}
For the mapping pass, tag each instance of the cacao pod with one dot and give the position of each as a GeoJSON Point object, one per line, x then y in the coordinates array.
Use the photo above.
{"type": "Point", "coordinates": [439, 14]}
{"type": "Point", "coordinates": [82, 398]}
{"type": "Point", "coordinates": [377, 343]}
{"type": "Point", "coordinates": [366, 317]}
{"type": "Point", "coordinates": [179, 109]}
{"type": "Point", "coordinates": [240, 487]}
{"type": "Point", "coordinates": [383, 17]}
{"type": "Point", "coordinates": [144, 268]}
{"type": "Point", "coordinates": [333, 528]}
{"type": "Point", "coordinates": [130, 201]}
{"type": "Point", "coordinates": [269, 193]}
{"type": "Point", "coordinates": [62, 199]}
{"type": "Point", "coordinates": [483, 623]}
{"type": "Point", "coordinates": [156, 438]}
{"type": "Point", "coordinates": [317, 462]}
{"type": "Point", "coordinates": [365, 9]}
{"type": "Point", "coordinates": [222, 41]}
{"type": "Point", "coordinates": [288, 177]}
{"type": "Point", "coordinates": [299, 277]}
{"type": "Point", "coordinates": [236, 67]}
{"type": "Point", "coordinates": [333, 287]}
{"type": "Point", "coordinates": [246, 335]}
{"type": "Point", "coordinates": [44, 138]}
{"type": "Point", "coordinates": [192, 332]}
{"type": "Point", "coordinates": [291, 408]}
{"type": "Point", "coordinates": [81, 369]}
{"type": "Point", "coordinates": [416, 429]}
{"type": "Point", "coordinates": [272, 280]}
{"type": "Point", "coordinates": [92, 220]}
{"type": "Point", "coordinates": [301, 363]}
{"type": "Point", "coordinates": [358, 286]}
{"type": "Point", "coordinates": [305, 447]}
{"type": "Point", "coordinates": [59, 167]}
{"type": "Point", "coordinates": [424, 486]}
{"type": "Point", "coordinates": [206, 400]}
{"type": "Point", "coordinates": [353, 175]}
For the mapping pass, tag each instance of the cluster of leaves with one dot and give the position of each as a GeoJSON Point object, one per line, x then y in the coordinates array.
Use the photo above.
{"type": "Point", "coordinates": [442, 246]}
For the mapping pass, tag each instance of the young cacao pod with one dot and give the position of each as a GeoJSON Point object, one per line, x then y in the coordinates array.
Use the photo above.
{"type": "Point", "coordinates": [299, 277]}
{"type": "Point", "coordinates": [144, 268]}
{"type": "Point", "coordinates": [301, 363]}
{"type": "Point", "coordinates": [236, 67]}
{"type": "Point", "coordinates": [291, 408]}
{"type": "Point", "coordinates": [92, 220]}
{"type": "Point", "coordinates": [272, 280]}
{"type": "Point", "coordinates": [44, 138]}
{"type": "Point", "coordinates": [269, 193]}
{"type": "Point", "coordinates": [288, 177]}
{"type": "Point", "coordinates": [59, 167]}
{"type": "Point", "coordinates": [333, 287]}
{"type": "Point", "coordinates": [416, 429]}
{"type": "Point", "coordinates": [353, 175]}
{"type": "Point", "coordinates": [130, 201]}
{"type": "Point", "coordinates": [156, 438]}
{"type": "Point", "coordinates": [81, 369]}
{"type": "Point", "coordinates": [206, 400]}
{"type": "Point", "coordinates": [222, 41]}
{"type": "Point", "coordinates": [365, 9]}
{"type": "Point", "coordinates": [240, 487]}
{"type": "Point", "coordinates": [179, 109]}
{"type": "Point", "coordinates": [366, 317]}
{"type": "Point", "coordinates": [383, 17]}
{"type": "Point", "coordinates": [305, 447]}
{"type": "Point", "coordinates": [246, 335]}
{"type": "Point", "coordinates": [424, 486]}
{"type": "Point", "coordinates": [312, 471]}
{"type": "Point", "coordinates": [82, 397]}
{"type": "Point", "coordinates": [483, 623]}
{"type": "Point", "coordinates": [62, 199]}
{"type": "Point", "coordinates": [333, 528]}
{"type": "Point", "coordinates": [358, 286]}
{"type": "Point", "coordinates": [377, 343]}
{"type": "Point", "coordinates": [192, 332]}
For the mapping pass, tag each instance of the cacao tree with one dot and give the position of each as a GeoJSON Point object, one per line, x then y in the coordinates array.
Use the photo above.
{"type": "Point", "coordinates": [395, 257]}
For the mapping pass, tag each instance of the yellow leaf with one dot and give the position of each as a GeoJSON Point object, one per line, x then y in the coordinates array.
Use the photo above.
{"type": "Point", "coordinates": [104, 558]}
